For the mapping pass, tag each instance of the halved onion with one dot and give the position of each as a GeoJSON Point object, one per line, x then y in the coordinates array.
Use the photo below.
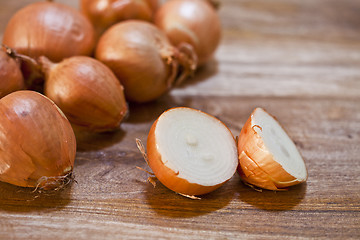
{"type": "Point", "coordinates": [268, 158]}
{"type": "Point", "coordinates": [191, 152]}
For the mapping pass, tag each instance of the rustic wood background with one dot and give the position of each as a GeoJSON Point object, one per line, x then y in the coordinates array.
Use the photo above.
{"type": "Point", "coordinates": [298, 59]}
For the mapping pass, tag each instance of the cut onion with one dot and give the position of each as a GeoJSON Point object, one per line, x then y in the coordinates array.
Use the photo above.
{"type": "Point", "coordinates": [268, 158]}
{"type": "Point", "coordinates": [191, 152]}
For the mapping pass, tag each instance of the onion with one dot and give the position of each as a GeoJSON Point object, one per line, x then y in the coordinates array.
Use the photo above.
{"type": "Point", "coordinates": [267, 156]}
{"type": "Point", "coordinates": [193, 22]}
{"type": "Point", "coordinates": [50, 29]}
{"type": "Point", "coordinates": [11, 78]}
{"type": "Point", "coordinates": [104, 13]}
{"type": "Point", "coordinates": [143, 60]}
{"type": "Point", "coordinates": [37, 143]}
{"type": "Point", "coordinates": [87, 92]}
{"type": "Point", "coordinates": [191, 152]}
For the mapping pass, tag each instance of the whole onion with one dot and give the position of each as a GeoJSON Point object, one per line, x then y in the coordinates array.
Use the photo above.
{"type": "Point", "coordinates": [50, 29]}
{"type": "Point", "coordinates": [87, 92]}
{"type": "Point", "coordinates": [11, 78]}
{"type": "Point", "coordinates": [143, 59]}
{"type": "Point", "coordinates": [37, 143]}
{"type": "Point", "coordinates": [104, 13]}
{"type": "Point", "coordinates": [192, 21]}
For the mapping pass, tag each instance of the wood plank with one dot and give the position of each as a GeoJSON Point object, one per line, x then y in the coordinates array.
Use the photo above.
{"type": "Point", "coordinates": [112, 197]}
{"type": "Point", "coordinates": [298, 59]}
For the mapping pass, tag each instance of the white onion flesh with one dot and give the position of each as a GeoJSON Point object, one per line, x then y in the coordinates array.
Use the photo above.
{"type": "Point", "coordinates": [279, 144]}
{"type": "Point", "coordinates": [197, 146]}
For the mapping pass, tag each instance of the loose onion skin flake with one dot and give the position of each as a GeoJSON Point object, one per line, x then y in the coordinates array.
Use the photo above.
{"type": "Point", "coordinates": [37, 143]}
{"type": "Point", "coordinates": [87, 92]}
{"type": "Point", "coordinates": [104, 13]}
{"type": "Point", "coordinates": [143, 59]}
{"type": "Point", "coordinates": [191, 152]}
{"type": "Point", "coordinates": [11, 78]}
{"type": "Point", "coordinates": [268, 158]}
{"type": "Point", "coordinates": [192, 21]}
{"type": "Point", "coordinates": [50, 29]}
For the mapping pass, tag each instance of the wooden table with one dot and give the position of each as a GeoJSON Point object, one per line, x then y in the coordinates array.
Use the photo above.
{"type": "Point", "coordinates": [298, 59]}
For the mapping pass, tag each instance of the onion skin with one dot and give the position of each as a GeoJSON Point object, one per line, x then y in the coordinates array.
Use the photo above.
{"type": "Point", "coordinates": [50, 29]}
{"type": "Point", "coordinates": [87, 92]}
{"type": "Point", "coordinates": [11, 79]}
{"type": "Point", "coordinates": [143, 59]}
{"type": "Point", "coordinates": [104, 13]}
{"type": "Point", "coordinates": [37, 143]}
{"type": "Point", "coordinates": [256, 164]}
{"type": "Point", "coordinates": [193, 22]}
{"type": "Point", "coordinates": [167, 176]}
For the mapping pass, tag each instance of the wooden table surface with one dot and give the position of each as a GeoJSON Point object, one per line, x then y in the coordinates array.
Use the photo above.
{"type": "Point", "coordinates": [298, 59]}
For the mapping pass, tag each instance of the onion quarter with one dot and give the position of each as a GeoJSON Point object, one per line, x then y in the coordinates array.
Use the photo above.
{"type": "Point", "coordinates": [268, 158]}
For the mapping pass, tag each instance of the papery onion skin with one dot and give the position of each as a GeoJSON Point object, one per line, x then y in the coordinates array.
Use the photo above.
{"type": "Point", "coordinates": [50, 29]}
{"type": "Point", "coordinates": [87, 92]}
{"type": "Point", "coordinates": [167, 176]}
{"type": "Point", "coordinates": [193, 22]}
{"type": "Point", "coordinates": [142, 58]}
{"type": "Point", "coordinates": [256, 163]}
{"type": "Point", "coordinates": [104, 13]}
{"type": "Point", "coordinates": [37, 142]}
{"type": "Point", "coordinates": [11, 79]}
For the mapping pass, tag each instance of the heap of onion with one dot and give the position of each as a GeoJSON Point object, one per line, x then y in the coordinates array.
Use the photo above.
{"type": "Point", "coordinates": [191, 152]}
{"type": "Point", "coordinates": [268, 158]}
{"type": "Point", "coordinates": [37, 143]}
{"type": "Point", "coordinates": [50, 29]}
{"type": "Point", "coordinates": [87, 92]}
{"type": "Point", "coordinates": [143, 59]}
{"type": "Point", "coordinates": [11, 78]}
{"type": "Point", "coordinates": [104, 13]}
{"type": "Point", "coordinates": [193, 22]}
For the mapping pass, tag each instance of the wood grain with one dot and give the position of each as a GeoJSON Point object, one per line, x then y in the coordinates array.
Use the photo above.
{"type": "Point", "coordinates": [298, 59]}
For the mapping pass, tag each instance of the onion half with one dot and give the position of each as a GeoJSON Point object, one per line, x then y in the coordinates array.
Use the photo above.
{"type": "Point", "coordinates": [268, 158]}
{"type": "Point", "coordinates": [191, 152]}
{"type": "Point", "coordinates": [50, 29]}
{"type": "Point", "coordinates": [37, 143]}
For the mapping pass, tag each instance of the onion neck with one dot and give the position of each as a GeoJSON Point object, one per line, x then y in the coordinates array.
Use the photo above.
{"type": "Point", "coordinates": [181, 61]}
{"type": "Point", "coordinates": [188, 60]}
{"type": "Point", "coordinates": [45, 65]}
{"type": "Point", "coordinates": [30, 69]}
{"type": "Point", "coordinates": [215, 3]}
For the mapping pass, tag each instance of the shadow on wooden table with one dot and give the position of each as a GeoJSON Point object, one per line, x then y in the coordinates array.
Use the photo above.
{"type": "Point", "coordinates": [20, 199]}
{"type": "Point", "coordinates": [273, 200]}
{"type": "Point", "coordinates": [204, 72]}
{"type": "Point", "coordinates": [89, 141]}
{"type": "Point", "coordinates": [149, 112]}
{"type": "Point", "coordinates": [168, 203]}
